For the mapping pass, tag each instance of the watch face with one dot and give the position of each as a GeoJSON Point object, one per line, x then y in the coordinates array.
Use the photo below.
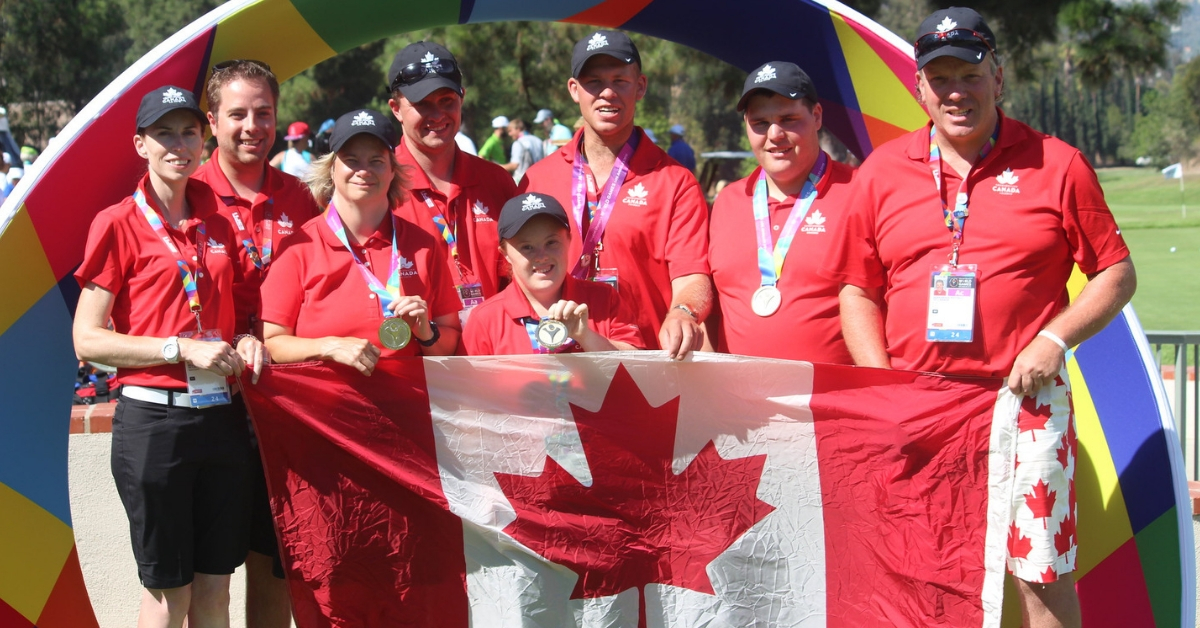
{"type": "Point", "coordinates": [170, 351]}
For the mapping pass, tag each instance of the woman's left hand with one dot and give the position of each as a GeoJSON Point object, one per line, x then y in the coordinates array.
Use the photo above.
{"type": "Point", "coordinates": [415, 312]}
{"type": "Point", "coordinates": [255, 353]}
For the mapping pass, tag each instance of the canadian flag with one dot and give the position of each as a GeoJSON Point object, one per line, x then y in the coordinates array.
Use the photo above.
{"type": "Point", "coordinates": [624, 489]}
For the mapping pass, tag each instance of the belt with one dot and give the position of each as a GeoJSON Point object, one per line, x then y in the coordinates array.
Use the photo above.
{"type": "Point", "coordinates": [161, 396]}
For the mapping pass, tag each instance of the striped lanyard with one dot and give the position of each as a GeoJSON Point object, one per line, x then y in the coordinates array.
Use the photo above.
{"type": "Point", "coordinates": [185, 269]}
{"type": "Point", "coordinates": [263, 259]}
{"type": "Point", "coordinates": [443, 226]}
{"type": "Point", "coordinates": [956, 219]}
{"type": "Point", "coordinates": [770, 259]}
{"type": "Point", "coordinates": [387, 294]}
{"type": "Point", "coordinates": [604, 206]}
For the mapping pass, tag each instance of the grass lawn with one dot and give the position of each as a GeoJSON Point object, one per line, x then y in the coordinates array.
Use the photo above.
{"type": "Point", "coordinates": [1147, 208]}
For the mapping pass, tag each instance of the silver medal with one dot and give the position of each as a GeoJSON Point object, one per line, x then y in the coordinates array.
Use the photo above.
{"type": "Point", "coordinates": [766, 300]}
{"type": "Point", "coordinates": [551, 334]}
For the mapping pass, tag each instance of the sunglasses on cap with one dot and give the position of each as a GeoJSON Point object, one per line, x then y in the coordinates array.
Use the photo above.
{"type": "Point", "coordinates": [414, 72]}
{"type": "Point", "coordinates": [225, 65]}
{"type": "Point", "coordinates": [932, 41]}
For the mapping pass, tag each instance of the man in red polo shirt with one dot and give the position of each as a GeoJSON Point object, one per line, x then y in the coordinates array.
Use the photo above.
{"type": "Point", "coordinates": [454, 196]}
{"type": "Point", "coordinates": [1036, 210]}
{"type": "Point", "coordinates": [638, 218]}
{"type": "Point", "coordinates": [793, 202]}
{"type": "Point", "coordinates": [264, 207]}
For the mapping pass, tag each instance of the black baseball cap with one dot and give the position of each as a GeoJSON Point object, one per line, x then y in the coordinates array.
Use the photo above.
{"type": "Point", "coordinates": [520, 209]}
{"type": "Point", "coordinates": [781, 77]}
{"type": "Point", "coordinates": [612, 43]}
{"type": "Point", "coordinates": [164, 100]}
{"type": "Point", "coordinates": [362, 121]}
{"type": "Point", "coordinates": [956, 32]}
{"type": "Point", "coordinates": [422, 68]}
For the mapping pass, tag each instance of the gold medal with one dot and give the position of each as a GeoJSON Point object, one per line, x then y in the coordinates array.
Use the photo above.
{"type": "Point", "coordinates": [551, 334]}
{"type": "Point", "coordinates": [766, 300]}
{"type": "Point", "coordinates": [394, 333]}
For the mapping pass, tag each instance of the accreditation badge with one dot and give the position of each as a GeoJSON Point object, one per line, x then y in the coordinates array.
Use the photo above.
{"type": "Point", "coordinates": [206, 388]}
{"type": "Point", "coordinates": [471, 295]}
{"type": "Point", "coordinates": [608, 276]}
{"type": "Point", "coordinates": [951, 312]}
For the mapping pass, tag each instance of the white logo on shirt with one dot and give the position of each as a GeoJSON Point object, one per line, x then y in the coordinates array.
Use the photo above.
{"type": "Point", "coordinates": [285, 222]}
{"type": "Point", "coordinates": [1006, 183]}
{"type": "Point", "coordinates": [407, 268]}
{"type": "Point", "coordinates": [947, 25]}
{"type": "Point", "coordinates": [173, 96]}
{"type": "Point", "coordinates": [363, 119]}
{"type": "Point", "coordinates": [531, 203]}
{"type": "Point", "coordinates": [767, 73]}
{"type": "Point", "coordinates": [597, 41]}
{"type": "Point", "coordinates": [814, 224]}
{"type": "Point", "coordinates": [636, 196]}
{"type": "Point", "coordinates": [481, 212]}
{"type": "Point", "coordinates": [216, 248]}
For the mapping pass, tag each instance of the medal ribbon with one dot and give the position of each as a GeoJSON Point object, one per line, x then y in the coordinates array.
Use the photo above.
{"type": "Point", "coordinates": [770, 259]}
{"type": "Point", "coordinates": [956, 219]}
{"type": "Point", "coordinates": [607, 200]}
{"type": "Point", "coordinates": [387, 294]}
{"type": "Point", "coordinates": [185, 269]}
{"type": "Point", "coordinates": [261, 260]}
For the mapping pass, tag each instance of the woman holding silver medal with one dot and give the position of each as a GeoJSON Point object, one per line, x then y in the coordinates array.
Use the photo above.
{"type": "Point", "coordinates": [359, 283]}
{"type": "Point", "coordinates": [158, 264]}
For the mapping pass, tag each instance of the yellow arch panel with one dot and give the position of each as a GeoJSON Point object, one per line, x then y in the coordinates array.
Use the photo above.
{"type": "Point", "coordinates": [34, 545]}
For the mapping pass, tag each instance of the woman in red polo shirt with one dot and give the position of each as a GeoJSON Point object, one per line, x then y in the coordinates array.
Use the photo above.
{"type": "Point", "coordinates": [358, 282]}
{"type": "Point", "coordinates": [545, 309]}
{"type": "Point", "coordinates": [159, 265]}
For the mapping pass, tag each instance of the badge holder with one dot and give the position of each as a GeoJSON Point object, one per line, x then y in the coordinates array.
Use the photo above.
{"type": "Point", "coordinates": [951, 312]}
{"type": "Point", "coordinates": [206, 388]}
{"type": "Point", "coordinates": [471, 295]}
{"type": "Point", "coordinates": [608, 276]}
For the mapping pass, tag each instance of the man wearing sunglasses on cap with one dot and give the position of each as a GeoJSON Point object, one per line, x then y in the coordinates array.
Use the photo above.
{"type": "Point", "coordinates": [1001, 214]}
{"type": "Point", "coordinates": [454, 196]}
{"type": "Point", "coordinates": [265, 207]}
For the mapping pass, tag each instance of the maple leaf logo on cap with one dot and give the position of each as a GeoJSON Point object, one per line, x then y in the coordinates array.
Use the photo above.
{"type": "Point", "coordinates": [597, 41]}
{"type": "Point", "coordinates": [947, 25]}
{"type": "Point", "coordinates": [173, 96]}
{"type": "Point", "coordinates": [429, 58]}
{"type": "Point", "coordinates": [638, 522]}
{"type": "Point", "coordinates": [767, 73]}
{"type": "Point", "coordinates": [363, 119]}
{"type": "Point", "coordinates": [531, 203]}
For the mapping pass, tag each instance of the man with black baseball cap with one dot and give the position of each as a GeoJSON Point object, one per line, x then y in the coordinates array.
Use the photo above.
{"type": "Point", "coordinates": [454, 196]}
{"type": "Point", "coordinates": [639, 218]}
{"type": "Point", "coordinates": [1035, 211]}
{"type": "Point", "coordinates": [266, 207]}
{"type": "Point", "coordinates": [545, 309]}
{"type": "Point", "coordinates": [789, 210]}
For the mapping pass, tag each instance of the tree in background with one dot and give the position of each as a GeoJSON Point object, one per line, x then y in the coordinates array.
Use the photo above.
{"type": "Point", "coordinates": [150, 22]}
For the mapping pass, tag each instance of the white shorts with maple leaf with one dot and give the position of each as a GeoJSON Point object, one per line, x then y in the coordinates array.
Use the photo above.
{"type": "Point", "coordinates": [1041, 539]}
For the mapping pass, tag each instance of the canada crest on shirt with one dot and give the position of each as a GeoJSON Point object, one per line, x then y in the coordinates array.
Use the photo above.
{"type": "Point", "coordinates": [284, 224]}
{"type": "Point", "coordinates": [814, 224]}
{"type": "Point", "coordinates": [636, 196]}
{"type": "Point", "coordinates": [481, 211]}
{"type": "Point", "coordinates": [1006, 183]}
{"type": "Point", "coordinates": [216, 248]}
{"type": "Point", "coordinates": [407, 268]}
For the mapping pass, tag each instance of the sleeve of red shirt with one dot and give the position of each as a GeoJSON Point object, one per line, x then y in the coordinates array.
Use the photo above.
{"type": "Point", "coordinates": [282, 292]}
{"type": "Point", "coordinates": [687, 240]}
{"type": "Point", "coordinates": [621, 327]}
{"type": "Point", "coordinates": [103, 255]}
{"type": "Point", "coordinates": [1091, 230]}
{"type": "Point", "coordinates": [854, 256]}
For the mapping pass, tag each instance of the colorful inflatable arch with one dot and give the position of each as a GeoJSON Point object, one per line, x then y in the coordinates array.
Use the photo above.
{"type": "Point", "coordinates": [1136, 565]}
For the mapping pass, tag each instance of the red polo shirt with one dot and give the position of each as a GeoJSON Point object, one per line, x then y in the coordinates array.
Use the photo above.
{"type": "Point", "coordinates": [1036, 211]}
{"type": "Point", "coordinates": [497, 326]}
{"type": "Point", "coordinates": [316, 289]}
{"type": "Point", "coordinates": [126, 257]}
{"type": "Point", "coordinates": [806, 326]}
{"type": "Point", "coordinates": [658, 230]}
{"type": "Point", "coordinates": [284, 200]}
{"type": "Point", "coordinates": [478, 190]}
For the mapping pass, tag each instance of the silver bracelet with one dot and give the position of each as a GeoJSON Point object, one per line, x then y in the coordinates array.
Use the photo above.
{"type": "Point", "coordinates": [1052, 337]}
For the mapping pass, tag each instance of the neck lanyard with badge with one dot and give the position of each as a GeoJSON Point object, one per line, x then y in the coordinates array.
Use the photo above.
{"type": "Point", "coordinates": [261, 259]}
{"type": "Point", "coordinates": [394, 332]}
{"type": "Point", "coordinates": [588, 265]}
{"type": "Point", "coordinates": [766, 299]}
{"type": "Point", "coordinates": [471, 294]}
{"type": "Point", "coordinates": [205, 388]}
{"type": "Point", "coordinates": [950, 316]}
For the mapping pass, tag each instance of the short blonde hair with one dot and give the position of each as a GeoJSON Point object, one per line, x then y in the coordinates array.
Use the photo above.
{"type": "Point", "coordinates": [320, 180]}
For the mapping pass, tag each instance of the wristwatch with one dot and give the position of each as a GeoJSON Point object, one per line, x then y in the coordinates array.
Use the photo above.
{"type": "Point", "coordinates": [170, 350]}
{"type": "Point", "coordinates": [437, 333]}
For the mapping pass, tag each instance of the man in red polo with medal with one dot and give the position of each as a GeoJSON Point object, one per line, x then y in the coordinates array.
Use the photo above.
{"type": "Point", "coordinates": [639, 220]}
{"type": "Point", "coordinates": [1000, 215]}
{"type": "Point", "coordinates": [454, 196]}
{"type": "Point", "coordinates": [769, 232]}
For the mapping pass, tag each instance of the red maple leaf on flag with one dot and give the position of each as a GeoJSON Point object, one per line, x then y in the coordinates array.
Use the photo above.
{"type": "Point", "coordinates": [638, 523]}
{"type": "Point", "coordinates": [1033, 416]}
{"type": "Point", "coordinates": [1063, 452]}
{"type": "Point", "coordinates": [1041, 500]}
{"type": "Point", "coordinates": [1066, 532]}
{"type": "Point", "coordinates": [1018, 546]}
